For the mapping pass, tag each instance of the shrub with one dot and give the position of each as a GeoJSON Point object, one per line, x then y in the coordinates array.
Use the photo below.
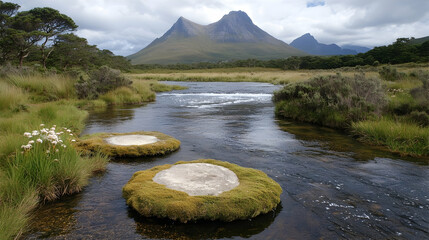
{"type": "Point", "coordinates": [389, 73]}
{"type": "Point", "coordinates": [421, 118]}
{"type": "Point", "coordinates": [99, 82]}
{"type": "Point", "coordinates": [333, 101]}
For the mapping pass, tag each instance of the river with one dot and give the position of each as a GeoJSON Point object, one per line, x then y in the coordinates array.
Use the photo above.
{"type": "Point", "coordinates": [333, 186]}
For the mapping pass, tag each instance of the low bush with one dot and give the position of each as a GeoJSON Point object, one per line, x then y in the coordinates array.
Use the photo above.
{"type": "Point", "coordinates": [100, 82]}
{"type": "Point", "coordinates": [390, 73]}
{"type": "Point", "coordinates": [333, 101]}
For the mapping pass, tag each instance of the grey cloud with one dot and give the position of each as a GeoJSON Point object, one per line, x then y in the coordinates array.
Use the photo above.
{"type": "Point", "coordinates": [126, 26]}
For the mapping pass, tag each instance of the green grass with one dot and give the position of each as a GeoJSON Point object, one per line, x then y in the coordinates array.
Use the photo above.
{"type": "Point", "coordinates": [256, 194]}
{"type": "Point", "coordinates": [401, 137]}
{"type": "Point", "coordinates": [11, 97]}
{"type": "Point", "coordinates": [45, 87]}
{"type": "Point", "coordinates": [26, 101]}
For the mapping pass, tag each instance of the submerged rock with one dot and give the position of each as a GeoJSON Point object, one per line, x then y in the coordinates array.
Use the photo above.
{"type": "Point", "coordinates": [198, 179]}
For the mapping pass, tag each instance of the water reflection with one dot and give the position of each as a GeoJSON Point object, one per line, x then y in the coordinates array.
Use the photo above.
{"type": "Point", "coordinates": [166, 229]}
{"type": "Point", "coordinates": [107, 118]}
{"type": "Point", "coordinates": [338, 141]}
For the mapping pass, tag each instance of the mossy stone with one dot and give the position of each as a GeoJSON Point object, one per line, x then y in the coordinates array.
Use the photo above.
{"type": "Point", "coordinates": [97, 142]}
{"type": "Point", "coordinates": [256, 194]}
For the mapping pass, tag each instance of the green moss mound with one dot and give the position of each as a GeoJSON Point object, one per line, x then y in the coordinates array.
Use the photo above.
{"type": "Point", "coordinates": [256, 194]}
{"type": "Point", "coordinates": [96, 142]}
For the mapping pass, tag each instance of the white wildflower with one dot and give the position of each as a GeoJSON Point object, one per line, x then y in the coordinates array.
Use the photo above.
{"type": "Point", "coordinates": [31, 142]}
{"type": "Point", "coordinates": [44, 131]}
{"type": "Point", "coordinates": [54, 126]}
{"type": "Point", "coordinates": [73, 140]}
{"type": "Point", "coordinates": [68, 130]}
{"type": "Point", "coordinates": [42, 125]}
{"type": "Point", "coordinates": [39, 140]}
{"type": "Point", "coordinates": [56, 150]}
{"type": "Point", "coordinates": [60, 141]}
{"type": "Point", "coordinates": [35, 133]}
{"type": "Point", "coordinates": [71, 134]}
{"type": "Point", "coordinates": [27, 134]}
{"type": "Point", "coordinates": [47, 151]}
{"type": "Point", "coordinates": [54, 142]}
{"type": "Point", "coordinates": [56, 160]}
{"type": "Point", "coordinates": [63, 145]}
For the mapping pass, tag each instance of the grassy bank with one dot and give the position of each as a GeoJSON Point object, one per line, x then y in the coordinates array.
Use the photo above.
{"type": "Point", "coordinates": [401, 137]}
{"type": "Point", "coordinates": [391, 109]}
{"type": "Point", "coordinates": [39, 163]}
{"type": "Point", "coordinates": [274, 76]}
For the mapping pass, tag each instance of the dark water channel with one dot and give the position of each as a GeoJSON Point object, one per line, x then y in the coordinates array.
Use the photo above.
{"type": "Point", "coordinates": [333, 186]}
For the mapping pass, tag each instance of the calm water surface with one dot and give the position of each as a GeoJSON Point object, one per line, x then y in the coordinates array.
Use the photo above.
{"type": "Point", "coordinates": [333, 186]}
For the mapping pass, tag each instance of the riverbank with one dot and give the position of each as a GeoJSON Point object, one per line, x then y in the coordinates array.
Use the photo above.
{"type": "Point", "coordinates": [398, 107]}
{"type": "Point", "coordinates": [41, 118]}
{"type": "Point", "coordinates": [393, 113]}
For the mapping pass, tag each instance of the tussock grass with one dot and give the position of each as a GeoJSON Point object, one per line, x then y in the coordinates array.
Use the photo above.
{"type": "Point", "coordinates": [26, 100]}
{"type": "Point", "coordinates": [402, 137]}
{"type": "Point", "coordinates": [256, 194]}
{"type": "Point", "coordinates": [95, 142]}
{"type": "Point", "coordinates": [45, 87]}
{"type": "Point", "coordinates": [123, 95]}
{"type": "Point", "coordinates": [17, 199]}
{"type": "Point", "coordinates": [11, 96]}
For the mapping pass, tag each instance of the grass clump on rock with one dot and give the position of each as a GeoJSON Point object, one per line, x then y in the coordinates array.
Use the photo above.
{"type": "Point", "coordinates": [99, 142]}
{"type": "Point", "coordinates": [256, 194]}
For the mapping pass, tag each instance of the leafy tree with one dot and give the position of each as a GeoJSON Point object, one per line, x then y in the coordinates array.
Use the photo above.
{"type": "Point", "coordinates": [7, 10]}
{"type": "Point", "coordinates": [24, 33]}
{"type": "Point", "coordinates": [52, 24]}
{"type": "Point", "coordinates": [72, 51]}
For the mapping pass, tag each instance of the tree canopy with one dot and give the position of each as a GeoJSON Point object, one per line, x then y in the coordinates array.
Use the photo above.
{"type": "Point", "coordinates": [45, 35]}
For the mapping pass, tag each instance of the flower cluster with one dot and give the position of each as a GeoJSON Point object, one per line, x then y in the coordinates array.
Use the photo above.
{"type": "Point", "coordinates": [394, 91]}
{"type": "Point", "coordinates": [51, 136]}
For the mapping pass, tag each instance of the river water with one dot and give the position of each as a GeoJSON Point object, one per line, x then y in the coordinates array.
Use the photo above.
{"type": "Point", "coordinates": [333, 186]}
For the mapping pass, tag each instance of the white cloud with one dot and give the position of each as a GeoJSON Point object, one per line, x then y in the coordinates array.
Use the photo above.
{"type": "Point", "coordinates": [126, 26]}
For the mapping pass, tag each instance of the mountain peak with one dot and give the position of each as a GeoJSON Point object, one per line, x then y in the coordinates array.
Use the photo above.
{"type": "Point", "coordinates": [309, 44]}
{"type": "Point", "coordinates": [237, 16]}
{"type": "Point", "coordinates": [233, 37]}
{"type": "Point", "coordinates": [184, 28]}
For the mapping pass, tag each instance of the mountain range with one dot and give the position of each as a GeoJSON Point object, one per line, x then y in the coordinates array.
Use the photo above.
{"type": "Point", "coordinates": [233, 37]}
{"type": "Point", "coordinates": [309, 44]}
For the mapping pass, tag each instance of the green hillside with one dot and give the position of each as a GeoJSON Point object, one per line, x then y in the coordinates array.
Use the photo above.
{"type": "Point", "coordinates": [200, 49]}
{"type": "Point", "coordinates": [417, 41]}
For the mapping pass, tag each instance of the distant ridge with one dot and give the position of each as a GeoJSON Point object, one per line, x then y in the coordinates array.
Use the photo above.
{"type": "Point", "coordinates": [233, 37]}
{"type": "Point", "coordinates": [309, 44]}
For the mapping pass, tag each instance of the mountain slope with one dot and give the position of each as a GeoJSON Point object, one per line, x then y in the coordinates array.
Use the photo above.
{"type": "Point", "coordinates": [309, 44]}
{"type": "Point", "coordinates": [232, 37]}
{"type": "Point", "coordinates": [417, 41]}
{"type": "Point", "coordinates": [358, 49]}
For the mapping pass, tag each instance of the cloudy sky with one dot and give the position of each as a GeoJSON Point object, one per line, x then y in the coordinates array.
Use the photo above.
{"type": "Point", "coordinates": [127, 26]}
